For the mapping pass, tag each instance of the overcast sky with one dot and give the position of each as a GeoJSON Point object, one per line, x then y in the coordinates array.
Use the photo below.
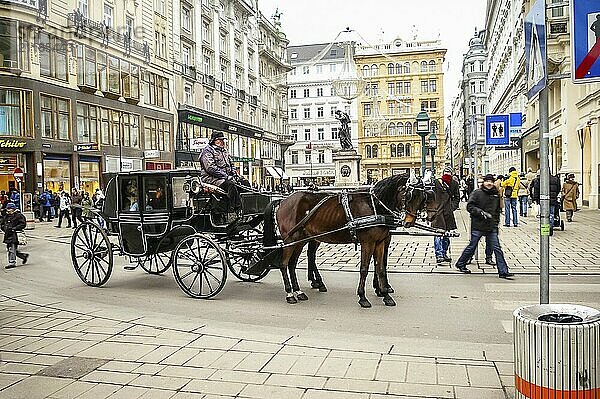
{"type": "Point", "coordinates": [319, 21]}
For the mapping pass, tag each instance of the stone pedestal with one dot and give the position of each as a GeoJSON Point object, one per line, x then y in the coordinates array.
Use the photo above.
{"type": "Point", "coordinates": [347, 168]}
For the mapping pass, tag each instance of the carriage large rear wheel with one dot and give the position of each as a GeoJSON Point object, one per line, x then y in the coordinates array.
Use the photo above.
{"type": "Point", "coordinates": [244, 251]}
{"type": "Point", "coordinates": [91, 253]}
{"type": "Point", "coordinates": [199, 267]}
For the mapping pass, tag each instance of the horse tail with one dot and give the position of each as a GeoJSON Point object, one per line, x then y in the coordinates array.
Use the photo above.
{"type": "Point", "coordinates": [273, 256]}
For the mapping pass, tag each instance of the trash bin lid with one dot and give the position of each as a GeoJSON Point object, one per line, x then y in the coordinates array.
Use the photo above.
{"type": "Point", "coordinates": [559, 313]}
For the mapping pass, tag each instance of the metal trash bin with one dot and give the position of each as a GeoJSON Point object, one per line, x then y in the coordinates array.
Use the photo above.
{"type": "Point", "coordinates": [557, 352]}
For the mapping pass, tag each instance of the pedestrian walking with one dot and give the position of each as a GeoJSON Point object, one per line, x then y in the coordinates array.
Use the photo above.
{"type": "Point", "coordinates": [12, 223]}
{"type": "Point", "coordinates": [534, 194]}
{"type": "Point", "coordinates": [464, 190]}
{"type": "Point", "coordinates": [64, 209]}
{"type": "Point", "coordinates": [56, 204]}
{"type": "Point", "coordinates": [511, 193]}
{"type": "Point", "coordinates": [46, 205]}
{"type": "Point", "coordinates": [445, 218]}
{"type": "Point", "coordinates": [76, 198]}
{"type": "Point", "coordinates": [86, 206]}
{"type": "Point", "coordinates": [523, 195]}
{"type": "Point", "coordinates": [498, 184]}
{"type": "Point", "coordinates": [484, 208]}
{"type": "Point", "coordinates": [15, 198]}
{"type": "Point", "coordinates": [570, 193]}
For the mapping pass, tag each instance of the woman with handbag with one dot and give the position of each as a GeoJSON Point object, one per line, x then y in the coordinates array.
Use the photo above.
{"type": "Point", "coordinates": [570, 193]}
{"type": "Point", "coordinates": [12, 225]}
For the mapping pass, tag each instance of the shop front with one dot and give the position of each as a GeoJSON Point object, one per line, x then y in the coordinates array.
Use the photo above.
{"type": "Point", "coordinates": [89, 174]}
{"type": "Point", "coordinates": [531, 151]}
{"type": "Point", "coordinates": [15, 153]}
{"type": "Point", "coordinates": [57, 172]}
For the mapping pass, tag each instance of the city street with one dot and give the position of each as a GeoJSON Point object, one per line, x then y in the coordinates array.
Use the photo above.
{"type": "Point", "coordinates": [450, 335]}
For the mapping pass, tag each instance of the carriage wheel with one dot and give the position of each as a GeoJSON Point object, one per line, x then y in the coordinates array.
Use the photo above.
{"type": "Point", "coordinates": [91, 253]}
{"type": "Point", "coordinates": [200, 267]}
{"type": "Point", "coordinates": [244, 253]}
{"type": "Point", "coordinates": [157, 263]}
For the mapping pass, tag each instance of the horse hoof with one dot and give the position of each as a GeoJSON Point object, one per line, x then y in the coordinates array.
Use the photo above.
{"type": "Point", "coordinates": [364, 303]}
{"type": "Point", "coordinates": [302, 296]}
{"type": "Point", "coordinates": [322, 288]}
{"type": "Point", "coordinates": [379, 294]}
{"type": "Point", "coordinates": [390, 290]}
{"type": "Point", "coordinates": [389, 301]}
{"type": "Point", "coordinates": [315, 284]}
{"type": "Point", "coordinates": [291, 299]}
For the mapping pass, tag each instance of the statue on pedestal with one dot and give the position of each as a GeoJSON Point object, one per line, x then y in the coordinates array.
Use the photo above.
{"type": "Point", "coordinates": [344, 132]}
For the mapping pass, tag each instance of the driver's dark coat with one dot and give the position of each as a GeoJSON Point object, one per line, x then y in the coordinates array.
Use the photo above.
{"type": "Point", "coordinates": [217, 165]}
{"type": "Point", "coordinates": [488, 201]}
{"type": "Point", "coordinates": [445, 219]}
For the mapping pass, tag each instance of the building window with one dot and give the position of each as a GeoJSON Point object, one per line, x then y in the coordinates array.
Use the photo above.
{"type": "Point", "coordinates": [391, 88]}
{"type": "Point", "coordinates": [15, 113]}
{"type": "Point", "coordinates": [433, 86]}
{"type": "Point", "coordinates": [375, 150]}
{"type": "Point", "coordinates": [56, 117]}
{"type": "Point", "coordinates": [432, 66]}
{"type": "Point", "coordinates": [306, 113]}
{"type": "Point", "coordinates": [367, 109]}
{"type": "Point", "coordinates": [332, 67]}
{"type": "Point", "coordinates": [306, 134]}
{"type": "Point", "coordinates": [334, 133]}
{"type": "Point", "coordinates": [391, 108]}
{"type": "Point", "coordinates": [225, 108]}
{"type": "Point", "coordinates": [292, 93]}
{"type": "Point", "coordinates": [156, 90]}
{"type": "Point", "coordinates": [293, 113]}
{"type": "Point", "coordinates": [434, 127]}
{"type": "Point", "coordinates": [368, 151]}
{"type": "Point", "coordinates": [82, 6]}
{"type": "Point", "coordinates": [206, 32]}
{"type": "Point", "coordinates": [159, 7]}
{"type": "Point", "coordinates": [400, 151]}
{"type": "Point", "coordinates": [374, 70]}
{"type": "Point", "coordinates": [53, 56]}
{"type": "Point", "coordinates": [408, 128]}
{"type": "Point", "coordinates": [319, 68]}
{"type": "Point", "coordinates": [305, 70]}
{"type": "Point", "coordinates": [424, 86]}
{"type": "Point", "coordinates": [319, 92]}
{"type": "Point", "coordinates": [320, 134]}
{"type": "Point", "coordinates": [307, 157]}
{"type": "Point", "coordinates": [188, 96]}
{"type": "Point", "coordinates": [407, 152]}
{"type": "Point", "coordinates": [207, 61]}
{"type": "Point", "coordinates": [390, 69]}
{"type": "Point", "coordinates": [472, 86]}
{"type": "Point", "coordinates": [320, 112]}
{"type": "Point", "coordinates": [482, 86]}
{"type": "Point", "coordinates": [482, 109]}
{"type": "Point", "coordinates": [400, 131]}
{"type": "Point", "coordinates": [406, 68]}
{"type": "Point", "coordinates": [391, 129]}
{"type": "Point", "coordinates": [393, 150]}
{"type": "Point", "coordinates": [333, 109]}
{"type": "Point", "coordinates": [157, 134]}
{"type": "Point", "coordinates": [108, 15]}
{"type": "Point", "coordinates": [321, 155]}
{"type": "Point", "coordinates": [294, 157]}
{"type": "Point", "coordinates": [481, 66]}
{"type": "Point", "coordinates": [471, 67]}
{"type": "Point", "coordinates": [186, 19]}
{"type": "Point", "coordinates": [131, 130]}
{"type": "Point", "coordinates": [294, 134]}
{"type": "Point", "coordinates": [423, 66]}
{"type": "Point", "coordinates": [306, 93]}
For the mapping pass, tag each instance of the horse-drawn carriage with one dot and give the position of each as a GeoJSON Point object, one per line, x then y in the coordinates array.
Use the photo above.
{"type": "Point", "coordinates": [163, 219]}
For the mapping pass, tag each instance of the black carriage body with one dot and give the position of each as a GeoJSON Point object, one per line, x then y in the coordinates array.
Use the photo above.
{"type": "Point", "coordinates": [152, 211]}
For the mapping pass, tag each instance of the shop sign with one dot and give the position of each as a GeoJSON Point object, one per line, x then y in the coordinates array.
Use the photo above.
{"type": "Point", "coordinates": [531, 143]}
{"type": "Point", "coordinates": [239, 159]}
{"type": "Point", "coordinates": [46, 145]}
{"type": "Point", "coordinates": [9, 143]}
{"type": "Point", "coordinates": [232, 128]}
{"type": "Point", "coordinates": [197, 144]}
{"type": "Point", "coordinates": [86, 147]}
{"type": "Point", "coordinates": [195, 118]}
{"type": "Point", "coordinates": [148, 154]}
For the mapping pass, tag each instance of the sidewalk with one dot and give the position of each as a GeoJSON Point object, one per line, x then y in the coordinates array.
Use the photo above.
{"type": "Point", "coordinates": [51, 350]}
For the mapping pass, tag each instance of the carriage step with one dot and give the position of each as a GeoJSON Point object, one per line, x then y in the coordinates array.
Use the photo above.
{"type": "Point", "coordinates": [130, 267]}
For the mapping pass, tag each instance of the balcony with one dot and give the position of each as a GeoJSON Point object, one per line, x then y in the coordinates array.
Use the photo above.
{"type": "Point", "coordinates": [227, 89]}
{"type": "Point", "coordinates": [85, 27]}
{"type": "Point", "coordinates": [280, 61]}
{"type": "Point", "coordinates": [240, 95]}
{"type": "Point", "coordinates": [209, 80]}
{"type": "Point", "coordinates": [253, 100]}
{"type": "Point", "coordinates": [286, 139]}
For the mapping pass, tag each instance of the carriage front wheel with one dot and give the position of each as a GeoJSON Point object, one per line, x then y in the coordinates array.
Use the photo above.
{"type": "Point", "coordinates": [91, 253]}
{"type": "Point", "coordinates": [199, 266]}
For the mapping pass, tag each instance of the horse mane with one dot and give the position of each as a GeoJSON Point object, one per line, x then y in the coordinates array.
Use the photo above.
{"type": "Point", "coordinates": [386, 190]}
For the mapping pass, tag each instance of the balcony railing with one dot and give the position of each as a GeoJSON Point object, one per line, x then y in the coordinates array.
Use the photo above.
{"type": "Point", "coordinates": [85, 27]}
{"type": "Point", "coordinates": [209, 80]}
{"type": "Point", "coordinates": [240, 95]}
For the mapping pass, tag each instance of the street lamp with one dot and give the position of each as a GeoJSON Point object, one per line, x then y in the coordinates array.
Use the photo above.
{"type": "Point", "coordinates": [432, 147]}
{"type": "Point", "coordinates": [423, 130]}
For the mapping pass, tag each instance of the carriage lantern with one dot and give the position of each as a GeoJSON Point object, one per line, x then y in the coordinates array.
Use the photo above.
{"type": "Point", "coordinates": [423, 130]}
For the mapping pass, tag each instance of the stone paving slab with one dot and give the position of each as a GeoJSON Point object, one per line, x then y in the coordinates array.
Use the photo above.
{"type": "Point", "coordinates": [225, 367]}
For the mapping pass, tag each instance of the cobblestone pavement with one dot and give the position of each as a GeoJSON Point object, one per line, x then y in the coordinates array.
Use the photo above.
{"type": "Point", "coordinates": [576, 250]}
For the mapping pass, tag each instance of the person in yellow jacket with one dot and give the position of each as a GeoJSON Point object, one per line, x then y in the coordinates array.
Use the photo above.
{"type": "Point", "coordinates": [511, 193]}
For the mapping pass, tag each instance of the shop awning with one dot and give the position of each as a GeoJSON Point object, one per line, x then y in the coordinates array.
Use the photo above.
{"type": "Point", "coordinates": [281, 172]}
{"type": "Point", "coordinates": [273, 172]}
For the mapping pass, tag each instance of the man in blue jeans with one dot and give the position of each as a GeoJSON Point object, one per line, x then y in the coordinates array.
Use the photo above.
{"type": "Point", "coordinates": [511, 193]}
{"type": "Point", "coordinates": [484, 208]}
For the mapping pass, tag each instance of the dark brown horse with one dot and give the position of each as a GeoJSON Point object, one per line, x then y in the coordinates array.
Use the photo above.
{"type": "Point", "coordinates": [322, 218]}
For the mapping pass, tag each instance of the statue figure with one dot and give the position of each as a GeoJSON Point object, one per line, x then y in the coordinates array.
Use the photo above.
{"type": "Point", "coordinates": [277, 18]}
{"type": "Point", "coordinates": [344, 132]}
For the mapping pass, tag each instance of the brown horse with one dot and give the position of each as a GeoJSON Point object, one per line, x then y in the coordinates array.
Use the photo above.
{"type": "Point", "coordinates": [309, 216]}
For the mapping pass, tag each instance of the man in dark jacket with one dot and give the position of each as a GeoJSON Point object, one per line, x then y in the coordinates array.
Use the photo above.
{"type": "Point", "coordinates": [554, 191]}
{"type": "Point", "coordinates": [445, 219]}
{"type": "Point", "coordinates": [76, 198]}
{"type": "Point", "coordinates": [484, 207]}
{"type": "Point", "coordinates": [13, 222]}
{"type": "Point", "coordinates": [218, 169]}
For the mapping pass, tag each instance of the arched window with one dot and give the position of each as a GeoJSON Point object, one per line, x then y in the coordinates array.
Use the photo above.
{"type": "Point", "coordinates": [374, 70]}
{"type": "Point", "coordinates": [432, 66]}
{"type": "Point", "coordinates": [407, 152]}
{"type": "Point", "coordinates": [423, 66]}
{"type": "Point", "coordinates": [400, 150]}
{"type": "Point", "coordinates": [398, 69]}
{"type": "Point", "coordinates": [400, 129]}
{"type": "Point", "coordinates": [407, 67]}
{"type": "Point", "coordinates": [408, 129]}
{"type": "Point", "coordinates": [375, 148]}
{"type": "Point", "coordinates": [368, 151]}
{"type": "Point", "coordinates": [366, 70]}
{"type": "Point", "coordinates": [434, 127]}
{"type": "Point", "coordinates": [390, 69]}
{"type": "Point", "coordinates": [392, 129]}
{"type": "Point", "coordinates": [393, 150]}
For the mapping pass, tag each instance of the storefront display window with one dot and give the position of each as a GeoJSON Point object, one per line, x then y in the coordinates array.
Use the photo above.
{"type": "Point", "coordinates": [57, 174]}
{"type": "Point", "coordinates": [89, 175]}
{"type": "Point", "coordinates": [15, 113]}
{"type": "Point", "coordinates": [8, 163]}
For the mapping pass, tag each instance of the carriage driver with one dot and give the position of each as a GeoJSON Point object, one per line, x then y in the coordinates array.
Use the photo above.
{"type": "Point", "coordinates": [218, 169]}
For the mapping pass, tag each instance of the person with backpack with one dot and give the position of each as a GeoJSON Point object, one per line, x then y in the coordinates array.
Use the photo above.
{"type": "Point", "coordinates": [511, 193]}
{"type": "Point", "coordinates": [12, 223]}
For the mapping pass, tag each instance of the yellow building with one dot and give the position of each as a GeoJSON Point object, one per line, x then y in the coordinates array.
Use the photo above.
{"type": "Point", "coordinates": [401, 79]}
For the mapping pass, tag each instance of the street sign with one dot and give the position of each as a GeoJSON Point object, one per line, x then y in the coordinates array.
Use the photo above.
{"type": "Point", "coordinates": [535, 48]}
{"type": "Point", "coordinates": [497, 130]}
{"type": "Point", "coordinates": [18, 174]}
{"type": "Point", "coordinates": [516, 124]}
{"type": "Point", "coordinates": [585, 41]}
{"type": "Point", "coordinates": [514, 144]}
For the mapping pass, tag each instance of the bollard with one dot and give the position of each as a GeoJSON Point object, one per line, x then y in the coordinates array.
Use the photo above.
{"type": "Point", "coordinates": [557, 352]}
